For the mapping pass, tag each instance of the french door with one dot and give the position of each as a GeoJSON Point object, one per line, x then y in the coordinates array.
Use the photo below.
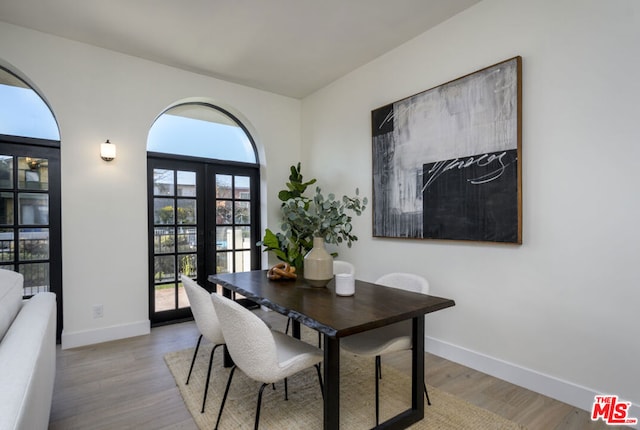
{"type": "Point", "coordinates": [30, 215]}
{"type": "Point", "coordinates": [203, 219]}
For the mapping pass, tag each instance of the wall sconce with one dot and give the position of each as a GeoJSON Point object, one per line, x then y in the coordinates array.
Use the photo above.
{"type": "Point", "coordinates": [107, 151]}
{"type": "Point", "coordinates": [33, 164]}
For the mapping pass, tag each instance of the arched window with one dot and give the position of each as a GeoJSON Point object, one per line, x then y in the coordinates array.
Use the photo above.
{"type": "Point", "coordinates": [23, 112]}
{"type": "Point", "coordinates": [30, 234]}
{"type": "Point", "coordinates": [199, 130]}
{"type": "Point", "coordinates": [203, 177]}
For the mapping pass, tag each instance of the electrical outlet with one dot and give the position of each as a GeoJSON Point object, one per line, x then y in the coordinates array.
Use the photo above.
{"type": "Point", "coordinates": [97, 311]}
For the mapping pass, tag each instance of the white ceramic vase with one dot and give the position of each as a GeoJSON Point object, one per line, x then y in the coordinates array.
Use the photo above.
{"type": "Point", "coordinates": [318, 264]}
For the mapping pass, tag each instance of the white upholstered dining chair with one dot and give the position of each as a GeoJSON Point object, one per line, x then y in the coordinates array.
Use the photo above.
{"type": "Point", "coordinates": [207, 322]}
{"type": "Point", "coordinates": [391, 338]}
{"type": "Point", "coordinates": [340, 266]}
{"type": "Point", "coordinates": [263, 354]}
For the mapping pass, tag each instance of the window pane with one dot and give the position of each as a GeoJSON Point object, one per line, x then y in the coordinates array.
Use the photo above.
{"type": "Point", "coordinates": [243, 261]}
{"type": "Point", "coordinates": [6, 171]}
{"type": "Point", "coordinates": [188, 265]}
{"type": "Point", "coordinates": [187, 184]}
{"type": "Point", "coordinates": [6, 208]}
{"type": "Point", "coordinates": [33, 173]}
{"type": "Point", "coordinates": [200, 131]}
{"type": "Point", "coordinates": [23, 112]}
{"type": "Point", "coordinates": [165, 297]}
{"type": "Point", "coordinates": [33, 208]}
{"type": "Point", "coordinates": [186, 211]}
{"type": "Point", "coordinates": [7, 245]}
{"type": "Point", "coordinates": [163, 182]}
{"type": "Point", "coordinates": [163, 211]}
{"type": "Point", "coordinates": [242, 187]}
{"type": "Point", "coordinates": [187, 239]}
{"type": "Point", "coordinates": [243, 238]}
{"type": "Point", "coordinates": [183, 299]}
{"type": "Point", "coordinates": [36, 277]}
{"type": "Point", "coordinates": [223, 186]}
{"type": "Point", "coordinates": [164, 268]}
{"type": "Point", "coordinates": [34, 244]}
{"type": "Point", "coordinates": [243, 211]}
{"type": "Point", "coordinates": [224, 263]}
{"type": "Point", "coordinates": [223, 238]}
{"type": "Point", "coordinates": [224, 212]}
{"type": "Point", "coordinates": [163, 240]}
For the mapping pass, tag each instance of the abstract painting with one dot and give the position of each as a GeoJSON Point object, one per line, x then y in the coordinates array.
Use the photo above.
{"type": "Point", "coordinates": [447, 161]}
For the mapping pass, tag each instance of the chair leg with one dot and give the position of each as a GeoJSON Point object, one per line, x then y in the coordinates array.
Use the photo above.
{"type": "Point", "coordinates": [193, 360]}
{"type": "Point", "coordinates": [426, 394]}
{"type": "Point", "coordinates": [286, 389]}
{"type": "Point", "coordinates": [377, 389]}
{"type": "Point", "coordinates": [206, 387]}
{"type": "Point", "coordinates": [224, 398]}
{"type": "Point", "coordinates": [317, 366]}
{"type": "Point", "coordinates": [260, 403]}
{"type": "Point", "coordinates": [286, 330]}
{"type": "Point", "coordinates": [379, 365]}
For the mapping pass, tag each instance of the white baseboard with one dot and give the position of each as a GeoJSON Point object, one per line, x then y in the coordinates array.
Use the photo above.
{"type": "Point", "coordinates": [567, 392]}
{"type": "Point", "coordinates": [106, 334]}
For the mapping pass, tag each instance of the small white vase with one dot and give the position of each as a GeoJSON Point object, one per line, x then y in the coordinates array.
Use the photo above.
{"type": "Point", "coordinates": [318, 264]}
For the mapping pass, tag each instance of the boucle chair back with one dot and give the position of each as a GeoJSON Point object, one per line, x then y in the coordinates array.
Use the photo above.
{"type": "Point", "coordinates": [340, 266]}
{"type": "Point", "coordinates": [203, 311]}
{"type": "Point", "coordinates": [405, 281]}
{"type": "Point", "coordinates": [249, 340]}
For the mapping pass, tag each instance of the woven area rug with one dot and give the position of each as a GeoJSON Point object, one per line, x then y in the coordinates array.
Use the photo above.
{"type": "Point", "coordinates": [304, 408]}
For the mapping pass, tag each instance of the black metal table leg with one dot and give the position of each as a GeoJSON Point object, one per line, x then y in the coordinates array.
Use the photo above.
{"type": "Point", "coordinates": [295, 330]}
{"type": "Point", "coordinates": [331, 383]}
{"type": "Point", "coordinates": [417, 366]}
{"type": "Point", "coordinates": [416, 413]}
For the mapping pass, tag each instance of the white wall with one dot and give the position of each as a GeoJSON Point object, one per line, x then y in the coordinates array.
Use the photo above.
{"type": "Point", "coordinates": [95, 95]}
{"type": "Point", "coordinates": [560, 312]}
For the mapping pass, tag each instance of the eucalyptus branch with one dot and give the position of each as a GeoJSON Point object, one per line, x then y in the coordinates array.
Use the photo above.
{"type": "Point", "coordinates": [304, 218]}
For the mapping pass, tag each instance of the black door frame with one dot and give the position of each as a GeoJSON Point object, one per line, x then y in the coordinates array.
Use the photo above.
{"type": "Point", "coordinates": [205, 169]}
{"type": "Point", "coordinates": [50, 149]}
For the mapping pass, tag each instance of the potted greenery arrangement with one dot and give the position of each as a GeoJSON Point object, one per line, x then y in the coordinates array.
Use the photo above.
{"type": "Point", "coordinates": [310, 222]}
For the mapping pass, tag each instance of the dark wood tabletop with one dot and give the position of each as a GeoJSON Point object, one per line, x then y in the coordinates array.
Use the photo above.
{"type": "Point", "coordinates": [320, 308]}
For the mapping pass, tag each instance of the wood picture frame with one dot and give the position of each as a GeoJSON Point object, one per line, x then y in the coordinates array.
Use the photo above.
{"type": "Point", "coordinates": [447, 162]}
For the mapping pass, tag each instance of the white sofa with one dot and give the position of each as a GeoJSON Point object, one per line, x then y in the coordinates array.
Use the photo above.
{"type": "Point", "coordinates": [27, 355]}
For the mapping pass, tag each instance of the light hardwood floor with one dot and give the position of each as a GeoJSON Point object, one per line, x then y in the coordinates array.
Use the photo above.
{"type": "Point", "coordinates": [126, 385]}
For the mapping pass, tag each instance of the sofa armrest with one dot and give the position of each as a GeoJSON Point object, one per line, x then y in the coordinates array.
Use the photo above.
{"type": "Point", "coordinates": [28, 366]}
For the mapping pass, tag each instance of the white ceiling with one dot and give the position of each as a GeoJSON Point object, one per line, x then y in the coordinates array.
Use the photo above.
{"type": "Point", "coordinates": [289, 47]}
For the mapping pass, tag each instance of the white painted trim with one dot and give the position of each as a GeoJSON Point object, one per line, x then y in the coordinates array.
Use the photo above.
{"type": "Point", "coordinates": [564, 391]}
{"type": "Point", "coordinates": [106, 334]}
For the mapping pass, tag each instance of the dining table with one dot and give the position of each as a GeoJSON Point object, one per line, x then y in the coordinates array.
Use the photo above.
{"type": "Point", "coordinates": [335, 317]}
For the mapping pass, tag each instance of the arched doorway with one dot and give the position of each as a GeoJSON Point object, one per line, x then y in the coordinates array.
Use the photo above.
{"type": "Point", "coordinates": [30, 215]}
{"type": "Point", "coordinates": [203, 185]}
